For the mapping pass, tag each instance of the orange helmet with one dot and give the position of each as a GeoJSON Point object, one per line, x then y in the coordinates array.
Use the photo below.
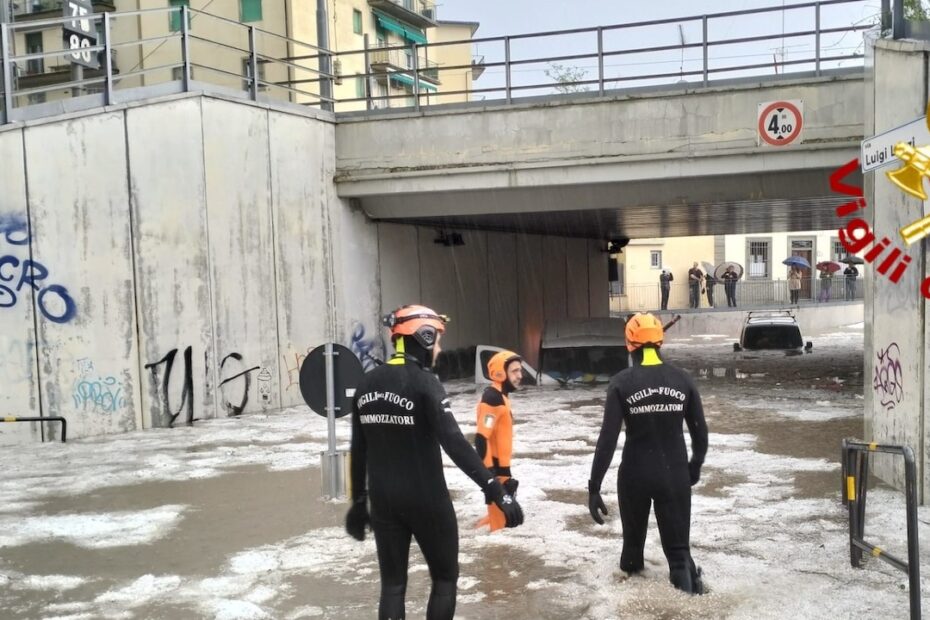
{"type": "Point", "coordinates": [497, 365]}
{"type": "Point", "coordinates": [418, 321]}
{"type": "Point", "coordinates": [643, 328]}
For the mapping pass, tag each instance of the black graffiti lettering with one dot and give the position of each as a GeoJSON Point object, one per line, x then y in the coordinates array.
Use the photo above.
{"type": "Point", "coordinates": [187, 394]}
{"type": "Point", "coordinates": [8, 260]}
{"type": "Point", "coordinates": [234, 410]}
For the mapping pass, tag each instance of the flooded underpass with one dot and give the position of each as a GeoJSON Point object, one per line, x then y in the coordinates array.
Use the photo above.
{"type": "Point", "coordinates": [224, 520]}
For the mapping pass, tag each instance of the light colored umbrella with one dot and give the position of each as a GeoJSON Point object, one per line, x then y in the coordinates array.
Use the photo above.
{"type": "Point", "coordinates": [722, 267]}
{"type": "Point", "coordinates": [708, 268]}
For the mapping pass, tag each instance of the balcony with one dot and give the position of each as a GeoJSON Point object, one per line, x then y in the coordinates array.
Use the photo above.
{"type": "Point", "coordinates": [384, 61]}
{"type": "Point", "coordinates": [419, 13]}
{"type": "Point", "coordinates": [28, 10]}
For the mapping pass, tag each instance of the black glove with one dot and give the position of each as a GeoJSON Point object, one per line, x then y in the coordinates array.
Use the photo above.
{"type": "Point", "coordinates": [357, 517]}
{"type": "Point", "coordinates": [510, 486]}
{"type": "Point", "coordinates": [595, 503]}
{"type": "Point", "coordinates": [694, 471]}
{"type": "Point", "coordinates": [506, 502]}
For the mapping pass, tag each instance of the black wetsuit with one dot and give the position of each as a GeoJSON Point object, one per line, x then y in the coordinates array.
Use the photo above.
{"type": "Point", "coordinates": [652, 402]}
{"type": "Point", "coordinates": [401, 416]}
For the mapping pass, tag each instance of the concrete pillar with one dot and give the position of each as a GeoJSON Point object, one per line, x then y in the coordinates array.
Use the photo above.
{"type": "Point", "coordinates": [896, 335]}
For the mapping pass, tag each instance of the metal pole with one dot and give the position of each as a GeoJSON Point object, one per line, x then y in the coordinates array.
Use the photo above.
{"type": "Point", "coordinates": [322, 37]}
{"type": "Point", "coordinates": [416, 78]}
{"type": "Point", "coordinates": [77, 76]}
{"type": "Point", "coordinates": [507, 65]}
{"type": "Point", "coordinates": [817, 40]}
{"type": "Point", "coordinates": [600, 60]}
{"type": "Point", "coordinates": [107, 61]}
{"type": "Point", "coordinates": [185, 49]}
{"type": "Point", "coordinates": [897, 19]}
{"type": "Point", "coordinates": [7, 72]}
{"type": "Point", "coordinates": [253, 65]}
{"type": "Point", "coordinates": [886, 17]}
{"type": "Point", "coordinates": [913, 549]}
{"type": "Point", "coordinates": [704, 23]}
{"type": "Point", "coordinates": [6, 15]}
{"type": "Point", "coordinates": [332, 483]}
{"type": "Point", "coordinates": [367, 74]}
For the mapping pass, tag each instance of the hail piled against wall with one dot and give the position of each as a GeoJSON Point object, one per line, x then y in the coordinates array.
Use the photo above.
{"type": "Point", "coordinates": [171, 262]}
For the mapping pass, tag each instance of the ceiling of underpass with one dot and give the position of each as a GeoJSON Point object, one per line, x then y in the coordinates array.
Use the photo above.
{"type": "Point", "coordinates": [760, 204]}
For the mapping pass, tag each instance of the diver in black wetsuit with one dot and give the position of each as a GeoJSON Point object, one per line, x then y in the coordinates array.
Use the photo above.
{"type": "Point", "coordinates": [400, 417]}
{"type": "Point", "coordinates": [652, 399]}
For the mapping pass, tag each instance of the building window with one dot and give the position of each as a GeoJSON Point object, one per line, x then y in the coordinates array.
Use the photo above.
{"type": "Point", "coordinates": [360, 87]}
{"type": "Point", "coordinates": [174, 23]}
{"type": "Point", "coordinates": [837, 249]}
{"type": "Point", "coordinates": [356, 21]}
{"type": "Point", "coordinates": [34, 46]}
{"type": "Point", "coordinates": [655, 259]}
{"type": "Point", "coordinates": [250, 10]}
{"type": "Point", "coordinates": [758, 259]}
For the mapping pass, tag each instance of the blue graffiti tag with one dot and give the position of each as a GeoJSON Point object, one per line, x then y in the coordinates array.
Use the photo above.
{"type": "Point", "coordinates": [53, 300]}
{"type": "Point", "coordinates": [100, 394]}
{"type": "Point", "coordinates": [363, 347]}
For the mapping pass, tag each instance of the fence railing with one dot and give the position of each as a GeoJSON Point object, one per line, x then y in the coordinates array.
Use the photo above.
{"type": "Point", "coordinates": [746, 293]}
{"type": "Point", "coordinates": [855, 469]}
{"type": "Point", "coordinates": [198, 50]}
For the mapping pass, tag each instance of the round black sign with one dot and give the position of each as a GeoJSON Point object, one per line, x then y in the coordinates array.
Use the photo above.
{"type": "Point", "coordinates": [347, 372]}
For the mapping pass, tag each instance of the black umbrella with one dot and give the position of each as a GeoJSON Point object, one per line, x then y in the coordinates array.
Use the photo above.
{"type": "Point", "coordinates": [852, 260]}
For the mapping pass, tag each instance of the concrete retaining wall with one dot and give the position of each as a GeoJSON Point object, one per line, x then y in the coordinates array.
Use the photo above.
{"type": "Point", "coordinates": [172, 261]}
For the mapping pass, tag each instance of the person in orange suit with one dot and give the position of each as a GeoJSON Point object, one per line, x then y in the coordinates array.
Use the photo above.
{"type": "Point", "coordinates": [494, 436]}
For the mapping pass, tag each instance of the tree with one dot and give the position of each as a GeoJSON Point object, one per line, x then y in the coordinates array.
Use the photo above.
{"type": "Point", "coordinates": [566, 78]}
{"type": "Point", "coordinates": [916, 10]}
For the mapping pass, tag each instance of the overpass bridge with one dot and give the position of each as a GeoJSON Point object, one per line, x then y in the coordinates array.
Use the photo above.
{"type": "Point", "coordinates": [647, 163]}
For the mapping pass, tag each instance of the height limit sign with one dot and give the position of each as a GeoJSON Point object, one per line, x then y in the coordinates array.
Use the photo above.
{"type": "Point", "coordinates": [780, 122]}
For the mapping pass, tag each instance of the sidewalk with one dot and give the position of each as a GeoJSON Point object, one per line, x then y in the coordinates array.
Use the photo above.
{"type": "Point", "coordinates": [224, 520]}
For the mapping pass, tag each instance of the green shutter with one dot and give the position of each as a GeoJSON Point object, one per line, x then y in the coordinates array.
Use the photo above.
{"type": "Point", "coordinates": [174, 23]}
{"type": "Point", "coordinates": [360, 87]}
{"type": "Point", "coordinates": [250, 10]}
{"type": "Point", "coordinates": [356, 21]}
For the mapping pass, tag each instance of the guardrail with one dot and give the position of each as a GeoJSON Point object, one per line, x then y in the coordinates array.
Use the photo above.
{"type": "Point", "coordinates": [748, 293]}
{"type": "Point", "coordinates": [61, 420]}
{"type": "Point", "coordinates": [855, 460]}
{"type": "Point", "coordinates": [236, 58]}
{"type": "Point", "coordinates": [195, 50]}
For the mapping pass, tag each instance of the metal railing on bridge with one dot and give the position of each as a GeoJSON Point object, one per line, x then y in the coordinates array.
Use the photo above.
{"type": "Point", "coordinates": [748, 293]}
{"type": "Point", "coordinates": [199, 51]}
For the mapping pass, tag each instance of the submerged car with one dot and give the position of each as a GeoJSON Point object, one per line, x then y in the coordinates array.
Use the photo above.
{"type": "Point", "coordinates": [771, 329]}
{"type": "Point", "coordinates": [583, 350]}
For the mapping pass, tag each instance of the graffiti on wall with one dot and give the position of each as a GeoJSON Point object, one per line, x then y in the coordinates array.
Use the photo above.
{"type": "Point", "coordinates": [19, 272]}
{"type": "Point", "coordinates": [888, 379]}
{"type": "Point", "coordinates": [237, 377]}
{"type": "Point", "coordinates": [187, 392]}
{"type": "Point", "coordinates": [363, 347]}
{"type": "Point", "coordinates": [292, 363]}
{"type": "Point", "coordinates": [234, 387]}
{"type": "Point", "coordinates": [95, 393]}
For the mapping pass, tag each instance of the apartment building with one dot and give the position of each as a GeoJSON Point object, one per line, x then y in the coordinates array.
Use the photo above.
{"type": "Point", "coordinates": [148, 49]}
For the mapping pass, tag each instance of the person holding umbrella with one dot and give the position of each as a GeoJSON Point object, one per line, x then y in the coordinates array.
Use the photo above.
{"type": "Point", "coordinates": [794, 284]}
{"type": "Point", "coordinates": [729, 278]}
{"type": "Point", "coordinates": [709, 282]}
{"type": "Point", "coordinates": [827, 268]}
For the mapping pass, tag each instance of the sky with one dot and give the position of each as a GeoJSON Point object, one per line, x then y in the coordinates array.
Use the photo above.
{"type": "Point", "coordinates": [527, 16]}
